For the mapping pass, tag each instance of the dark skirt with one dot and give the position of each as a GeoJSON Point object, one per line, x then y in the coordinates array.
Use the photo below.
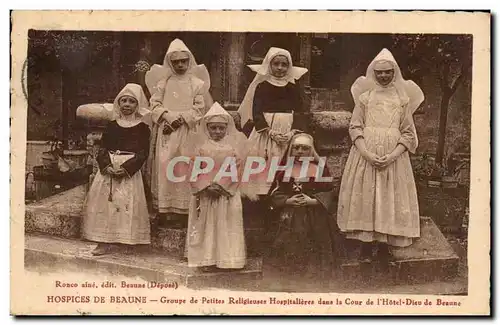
{"type": "Point", "coordinates": [304, 242]}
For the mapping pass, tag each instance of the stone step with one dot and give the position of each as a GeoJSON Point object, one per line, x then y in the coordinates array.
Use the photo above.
{"type": "Point", "coordinates": [429, 258]}
{"type": "Point", "coordinates": [58, 215]}
{"type": "Point", "coordinates": [49, 253]}
{"type": "Point", "coordinates": [61, 215]}
{"type": "Point", "coordinates": [329, 121]}
{"type": "Point", "coordinates": [172, 241]}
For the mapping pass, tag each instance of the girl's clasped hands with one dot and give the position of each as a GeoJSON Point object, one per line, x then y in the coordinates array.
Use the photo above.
{"type": "Point", "coordinates": [300, 200]}
{"type": "Point", "coordinates": [380, 162]}
{"type": "Point", "coordinates": [115, 173]}
{"type": "Point", "coordinates": [281, 138]}
{"type": "Point", "coordinates": [214, 190]}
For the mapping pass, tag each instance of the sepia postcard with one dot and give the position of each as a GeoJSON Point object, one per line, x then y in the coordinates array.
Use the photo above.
{"type": "Point", "coordinates": [250, 163]}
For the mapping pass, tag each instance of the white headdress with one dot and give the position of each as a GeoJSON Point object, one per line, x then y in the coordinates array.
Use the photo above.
{"type": "Point", "coordinates": [304, 139]}
{"type": "Point", "coordinates": [158, 72]}
{"type": "Point", "coordinates": [135, 91]}
{"type": "Point", "coordinates": [233, 137]}
{"type": "Point", "coordinates": [217, 112]}
{"type": "Point", "coordinates": [408, 90]}
{"type": "Point", "coordinates": [111, 112]}
{"type": "Point", "coordinates": [263, 74]}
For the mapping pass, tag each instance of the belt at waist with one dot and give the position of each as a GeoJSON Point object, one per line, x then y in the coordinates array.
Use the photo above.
{"type": "Point", "coordinates": [119, 152]}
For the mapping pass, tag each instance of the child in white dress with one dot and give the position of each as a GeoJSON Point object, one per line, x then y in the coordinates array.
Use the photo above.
{"type": "Point", "coordinates": [116, 211]}
{"type": "Point", "coordinates": [215, 235]}
{"type": "Point", "coordinates": [177, 102]}
{"type": "Point", "coordinates": [378, 199]}
{"type": "Point", "coordinates": [274, 103]}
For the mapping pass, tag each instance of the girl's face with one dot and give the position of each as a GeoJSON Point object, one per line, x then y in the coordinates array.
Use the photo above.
{"type": "Point", "coordinates": [279, 66]}
{"type": "Point", "coordinates": [300, 150]}
{"type": "Point", "coordinates": [217, 130]}
{"type": "Point", "coordinates": [180, 62]}
{"type": "Point", "coordinates": [384, 77]}
{"type": "Point", "coordinates": [128, 105]}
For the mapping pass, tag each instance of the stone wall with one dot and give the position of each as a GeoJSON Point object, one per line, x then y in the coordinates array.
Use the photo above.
{"type": "Point", "coordinates": [330, 131]}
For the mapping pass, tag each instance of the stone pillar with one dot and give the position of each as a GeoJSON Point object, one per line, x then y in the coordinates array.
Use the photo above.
{"type": "Point", "coordinates": [235, 48]}
{"type": "Point", "coordinates": [217, 68]}
{"type": "Point", "coordinates": [116, 62]}
{"type": "Point", "coordinates": [305, 62]}
{"type": "Point", "coordinates": [143, 64]}
{"type": "Point", "coordinates": [305, 56]}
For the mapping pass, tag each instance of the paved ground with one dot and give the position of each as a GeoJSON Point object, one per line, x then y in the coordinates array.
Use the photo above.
{"type": "Point", "coordinates": [72, 257]}
{"type": "Point", "coordinates": [272, 279]}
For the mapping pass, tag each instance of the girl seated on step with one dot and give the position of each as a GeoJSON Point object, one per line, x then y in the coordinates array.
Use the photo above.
{"type": "Point", "coordinates": [302, 194]}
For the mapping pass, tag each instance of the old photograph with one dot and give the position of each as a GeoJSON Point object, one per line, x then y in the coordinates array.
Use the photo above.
{"type": "Point", "coordinates": [213, 169]}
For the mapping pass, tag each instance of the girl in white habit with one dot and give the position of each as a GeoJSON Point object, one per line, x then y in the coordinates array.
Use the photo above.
{"type": "Point", "coordinates": [215, 237]}
{"type": "Point", "coordinates": [378, 199]}
{"type": "Point", "coordinates": [177, 102]}
{"type": "Point", "coordinates": [116, 210]}
{"type": "Point", "coordinates": [274, 103]}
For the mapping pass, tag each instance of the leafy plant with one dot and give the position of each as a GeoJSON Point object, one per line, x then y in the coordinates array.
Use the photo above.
{"type": "Point", "coordinates": [71, 48]}
{"type": "Point", "coordinates": [450, 55]}
{"type": "Point", "coordinates": [428, 168]}
{"type": "Point", "coordinates": [77, 144]}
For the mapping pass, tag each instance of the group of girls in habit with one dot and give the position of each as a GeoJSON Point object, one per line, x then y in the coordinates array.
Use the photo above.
{"type": "Point", "coordinates": [377, 204]}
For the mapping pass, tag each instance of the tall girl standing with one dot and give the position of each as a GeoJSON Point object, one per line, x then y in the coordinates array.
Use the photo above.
{"type": "Point", "coordinates": [177, 103]}
{"type": "Point", "coordinates": [274, 102]}
{"type": "Point", "coordinates": [378, 199]}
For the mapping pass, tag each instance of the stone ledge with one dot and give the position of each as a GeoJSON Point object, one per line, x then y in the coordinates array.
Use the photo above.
{"type": "Point", "coordinates": [46, 253]}
{"type": "Point", "coordinates": [324, 120]}
{"type": "Point", "coordinates": [172, 241]}
{"type": "Point", "coordinates": [429, 258]}
{"type": "Point", "coordinates": [58, 215]}
{"type": "Point", "coordinates": [328, 121]}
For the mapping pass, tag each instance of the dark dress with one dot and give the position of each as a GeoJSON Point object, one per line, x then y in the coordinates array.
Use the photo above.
{"type": "Point", "coordinates": [306, 235]}
{"type": "Point", "coordinates": [277, 104]}
{"type": "Point", "coordinates": [134, 139]}
{"type": "Point", "coordinates": [273, 99]}
{"type": "Point", "coordinates": [116, 209]}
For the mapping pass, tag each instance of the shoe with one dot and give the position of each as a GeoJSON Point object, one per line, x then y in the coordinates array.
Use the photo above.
{"type": "Point", "coordinates": [206, 269]}
{"type": "Point", "coordinates": [101, 249]}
